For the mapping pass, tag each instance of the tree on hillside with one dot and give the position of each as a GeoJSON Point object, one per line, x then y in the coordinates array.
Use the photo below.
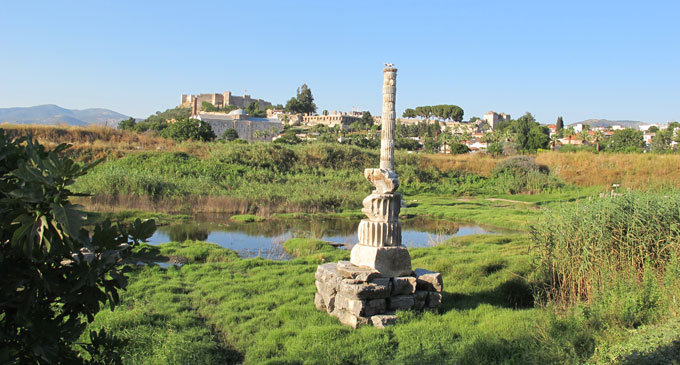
{"type": "Point", "coordinates": [127, 124]}
{"type": "Point", "coordinates": [189, 129]}
{"type": "Point", "coordinates": [560, 123]}
{"type": "Point", "coordinates": [626, 140]}
{"type": "Point", "coordinates": [55, 274]}
{"type": "Point", "coordinates": [303, 102]}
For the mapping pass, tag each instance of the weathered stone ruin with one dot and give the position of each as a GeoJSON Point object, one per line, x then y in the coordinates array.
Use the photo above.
{"type": "Point", "coordinates": [378, 279]}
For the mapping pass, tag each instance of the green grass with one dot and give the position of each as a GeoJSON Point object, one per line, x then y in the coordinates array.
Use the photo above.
{"type": "Point", "coordinates": [306, 246]}
{"type": "Point", "coordinates": [129, 216]}
{"type": "Point", "coordinates": [271, 178]}
{"type": "Point", "coordinates": [188, 251]}
{"type": "Point", "coordinates": [246, 218]}
{"type": "Point", "coordinates": [262, 311]}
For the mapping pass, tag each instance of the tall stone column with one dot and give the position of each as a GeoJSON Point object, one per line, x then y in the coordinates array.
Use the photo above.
{"type": "Point", "coordinates": [388, 118]}
{"type": "Point", "coordinates": [379, 245]}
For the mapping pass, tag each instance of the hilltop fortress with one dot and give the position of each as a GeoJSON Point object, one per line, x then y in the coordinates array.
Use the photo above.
{"type": "Point", "coordinates": [222, 100]}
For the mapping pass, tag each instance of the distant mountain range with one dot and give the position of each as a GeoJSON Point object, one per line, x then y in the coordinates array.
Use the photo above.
{"type": "Point", "coordinates": [609, 123]}
{"type": "Point", "coordinates": [53, 114]}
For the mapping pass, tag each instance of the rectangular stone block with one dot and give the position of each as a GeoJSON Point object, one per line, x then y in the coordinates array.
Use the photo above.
{"type": "Point", "coordinates": [420, 298]}
{"type": "Point", "coordinates": [382, 320]}
{"type": "Point", "coordinates": [375, 306]}
{"type": "Point", "coordinates": [429, 280]}
{"type": "Point", "coordinates": [400, 302]}
{"type": "Point", "coordinates": [403, 285]}
{"type": "Point", "coordinates": [434, 300]}
{"type": "Point", "coordinates": [375, 289]}
{"type": "Point", "coordinates": [327, 294]}
{"type": "Point", "coordinates": [327, 272]}
{"type": "Point", "coordinates": [347, 270]}
{"type": "Point", "coordinates": [349, 319]}
{"type": "Point", "coordinates": [352, 306]}
{"type": "Point", "coordinates": [318, 302]}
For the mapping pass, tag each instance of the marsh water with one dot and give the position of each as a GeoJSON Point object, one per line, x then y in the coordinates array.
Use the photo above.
{"type": "Point", "coordinates": [266, 238]}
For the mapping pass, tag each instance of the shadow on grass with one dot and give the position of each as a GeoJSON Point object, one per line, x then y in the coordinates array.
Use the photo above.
{"type": "Point", "coordinates": [147, 255]}
{"type": "Point", "coordinates": [667, 354]}
{"type": "Point", "coordinates": [515, 293]}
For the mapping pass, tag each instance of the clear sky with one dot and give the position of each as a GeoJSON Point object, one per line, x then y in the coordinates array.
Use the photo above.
{"type": "Point", "coordinates": [579, 59]}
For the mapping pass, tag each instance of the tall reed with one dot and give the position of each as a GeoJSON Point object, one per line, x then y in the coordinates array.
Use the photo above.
{"type": "Point", "coordinates": [613, 249]}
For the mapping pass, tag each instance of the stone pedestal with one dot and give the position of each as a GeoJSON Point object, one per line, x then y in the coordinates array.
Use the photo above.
{"type": "Point", "coordinates": [358, 296]}
{"type": "Point", "coordinates": [389, 261]}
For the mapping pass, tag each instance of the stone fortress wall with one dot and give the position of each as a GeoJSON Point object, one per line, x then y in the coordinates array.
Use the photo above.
{"type": "Point", "coordinates": [224, 99]}
{"type": "Point", "coordinates": [245, 128]}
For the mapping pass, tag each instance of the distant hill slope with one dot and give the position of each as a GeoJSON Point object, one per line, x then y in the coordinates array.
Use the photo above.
{"type": "Point", "coordinates": [53, 114]}
{"type": "Point", "coordinates": [609, 123]}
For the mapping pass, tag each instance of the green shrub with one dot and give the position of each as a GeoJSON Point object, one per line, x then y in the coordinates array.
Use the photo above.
{"type": "Point", "coordinates": [55, 275]}
{"type": "Point", "coordinates": [459, 149]}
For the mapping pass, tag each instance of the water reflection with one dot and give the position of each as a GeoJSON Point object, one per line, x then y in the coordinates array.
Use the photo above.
{"type": "Point", "coordinates": [265, 238]}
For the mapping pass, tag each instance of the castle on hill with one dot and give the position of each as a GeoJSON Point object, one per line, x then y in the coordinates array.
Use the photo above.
{"type": "Point", "coordinates": [223, 100]}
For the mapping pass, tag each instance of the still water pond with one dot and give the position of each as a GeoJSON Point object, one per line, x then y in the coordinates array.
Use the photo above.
{"type": "Point", "coordinates": [265, 238]}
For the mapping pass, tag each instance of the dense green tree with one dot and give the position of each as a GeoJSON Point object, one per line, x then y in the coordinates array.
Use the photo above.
{"type": "Point", "coordinates": [459, 149]}
{"type": "Point", "coordinates": [626, 140]}
{"type": "Point", "coordinates": [55, 275]}
{"type": "Point", "coordinates": [159, 121]}
{"type": "Point", "coordinates": [127, 124]}
{"type": "Point", "coordinates": [539, 138]}
{"type": "Point", "coordinates": [560, 123]}
{"type": "Point", "coordinates": [526, 133]}
{"type": "Point", "coordinates": [189, 129]}
{"type": "Point", "coordinates": [409, 113]}
{"type": "Point", "coordinates": [230, 134]}
{"type": "Point", "coordinates": [303, 102]}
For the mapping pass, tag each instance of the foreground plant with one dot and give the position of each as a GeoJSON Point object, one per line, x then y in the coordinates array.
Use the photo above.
{"type": "Point", "coordinates": [55, 275]}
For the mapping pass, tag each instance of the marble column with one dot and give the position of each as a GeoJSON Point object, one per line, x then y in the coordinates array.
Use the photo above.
{"type": "Point", "coordinates": [379, 245]}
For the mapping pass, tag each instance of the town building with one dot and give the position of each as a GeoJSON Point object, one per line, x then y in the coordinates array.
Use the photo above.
{"type": "Point", "coordinates": [492, 118]}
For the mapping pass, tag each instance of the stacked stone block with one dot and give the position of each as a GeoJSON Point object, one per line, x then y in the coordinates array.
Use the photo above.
{"type": "Point", "coordinates": [359, 295]}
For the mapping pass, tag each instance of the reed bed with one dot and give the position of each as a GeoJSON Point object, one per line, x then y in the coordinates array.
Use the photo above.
{"type": "Point", "coordinates": [622, 251]}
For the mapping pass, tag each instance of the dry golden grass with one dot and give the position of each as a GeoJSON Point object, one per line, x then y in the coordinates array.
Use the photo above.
{"type": "Point", "coordinates": [634, 171]}
{"type": "Point", "coordinates": [478, 163]}
{"type": "Point", "coordinates": [92, 142]}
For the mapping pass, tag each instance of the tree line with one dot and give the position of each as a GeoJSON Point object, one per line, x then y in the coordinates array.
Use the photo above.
{"type": "Point", "coordinates": [442, 112]}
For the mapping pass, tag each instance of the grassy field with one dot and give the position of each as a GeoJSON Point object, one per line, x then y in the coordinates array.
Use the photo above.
{"type": "Point", "coordinates": [585, 279]}
{"type": "Point", "coordinates": [234, 310]}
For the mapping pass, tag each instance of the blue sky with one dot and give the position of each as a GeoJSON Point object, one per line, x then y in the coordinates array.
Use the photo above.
{"type": "Point", "coordinates": [578, 59]}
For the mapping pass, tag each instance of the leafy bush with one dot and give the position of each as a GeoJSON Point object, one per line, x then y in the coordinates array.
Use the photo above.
{"type": "Point", "coordinates": [521, 174]}
{"type": "Point", "coordinates": [230, 134]}
{"type": "Point", "coordinates": [55, 275]}
{"type": "Point", "coordinates": [459, 149]}
{"type": "Point", "coordinates": [189, 129]}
